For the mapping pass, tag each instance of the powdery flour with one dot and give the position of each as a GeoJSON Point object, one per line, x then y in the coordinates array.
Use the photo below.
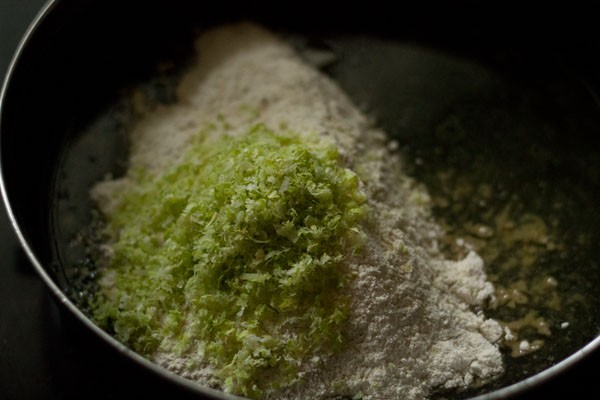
{"type": "Point", "coordinates": [416, 324]}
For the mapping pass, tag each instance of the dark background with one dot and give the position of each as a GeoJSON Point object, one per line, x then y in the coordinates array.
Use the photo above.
{"type": "Point", "coordinates": [44, 354]}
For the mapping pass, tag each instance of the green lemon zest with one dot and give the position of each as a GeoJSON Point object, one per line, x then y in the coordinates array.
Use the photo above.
{"type": "Point", "coordinates": [236, 255]}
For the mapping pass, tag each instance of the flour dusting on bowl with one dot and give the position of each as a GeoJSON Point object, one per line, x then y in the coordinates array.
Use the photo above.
{"type": "Point", "coordinates": [410, 322]}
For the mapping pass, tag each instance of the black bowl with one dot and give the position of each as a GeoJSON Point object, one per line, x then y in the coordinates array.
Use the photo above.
{"type": "Point", "coordinates": [78, 56]}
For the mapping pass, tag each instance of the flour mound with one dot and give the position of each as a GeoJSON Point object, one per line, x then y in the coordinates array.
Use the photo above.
{"type": "Point", "coordinates": [415, 323]}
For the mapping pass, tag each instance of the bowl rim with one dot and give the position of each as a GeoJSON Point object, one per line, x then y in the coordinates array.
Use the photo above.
{"type": "Point", "coordinates": [519, 387]}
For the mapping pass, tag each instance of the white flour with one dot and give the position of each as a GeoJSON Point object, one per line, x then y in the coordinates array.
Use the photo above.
{"type": "Point", "coordinates": [415, 324]}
